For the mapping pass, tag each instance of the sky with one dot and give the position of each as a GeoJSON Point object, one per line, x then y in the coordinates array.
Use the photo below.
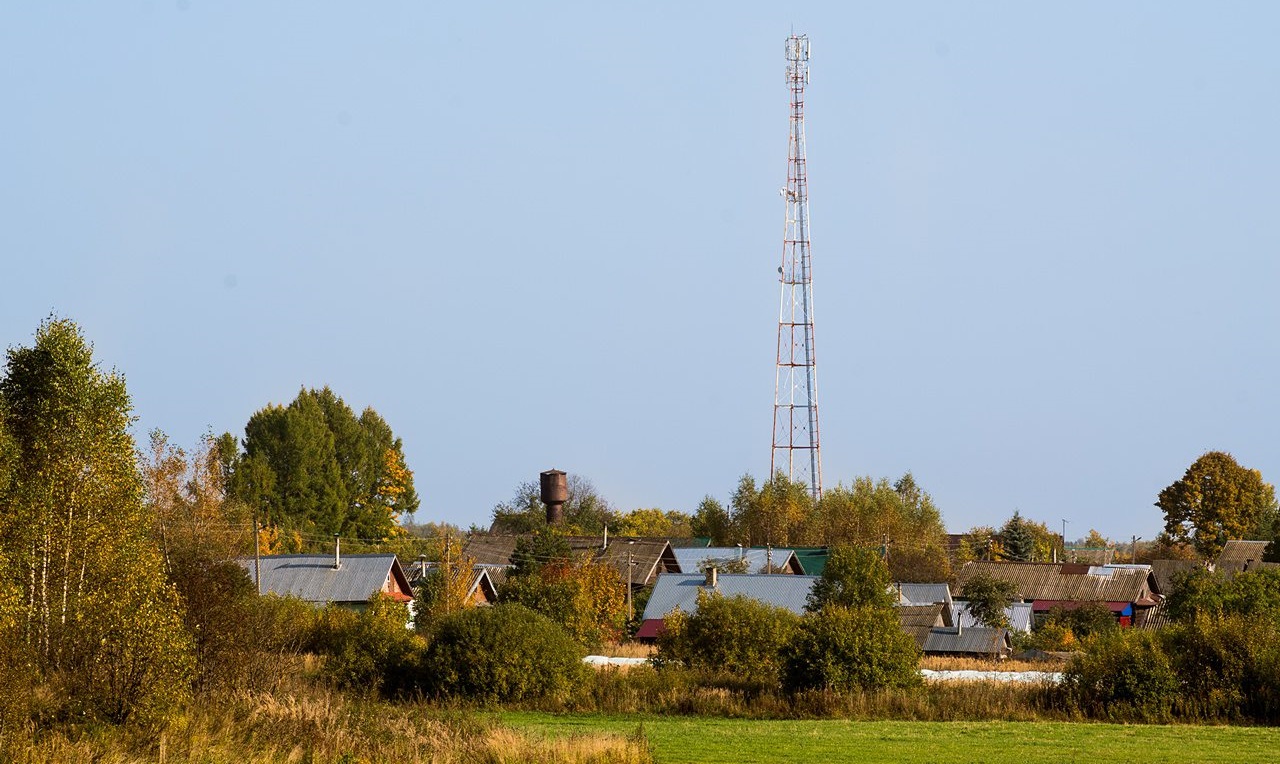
{"type": "Point", "coordinates": [1044, 235]}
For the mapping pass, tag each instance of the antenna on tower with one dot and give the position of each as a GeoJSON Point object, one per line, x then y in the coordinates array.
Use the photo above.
{"type": "Point", "coordinates": [795, 397]}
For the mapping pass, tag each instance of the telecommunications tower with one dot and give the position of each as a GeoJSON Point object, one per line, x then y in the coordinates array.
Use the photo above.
{"type": "Point", "coordinates": [795, 396]}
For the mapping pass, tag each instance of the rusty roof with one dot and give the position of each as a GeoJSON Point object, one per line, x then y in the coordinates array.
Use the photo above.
{"type": "Point", "coordinates": [1065, 582]}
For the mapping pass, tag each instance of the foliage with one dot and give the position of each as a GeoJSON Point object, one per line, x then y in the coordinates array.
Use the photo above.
{"type": "Point", "coordinates": [588, 599]}
{"type": "Point", "coordinates": [980, 543]}
{"type": "Point", "coordinates": [76, 533]}
{"type": "Point", "coordinates": [1229, 666]}
{"type": "Point", "coordinates": [373, 650]}
{"type": "Point", "coordinates": [1018, 540]}
{"type": "Point", "coordinates": [505, 652]}
{"type": "Point", "coordinates": [1123, 676]}
{"type": "Point", "coordinates": [586, 512]}
{"type": "Point", "coordinates": [316, 469]}
{"type": "Point", "coordinates": [1062, 629]}
{"type": "Point", "coordinates": [545, 547]}
{"type": "Point", "coordinates": [735, 635]}
{"type": "Point", "coordinates": [1198, 593]}
{"type": "Point", "coordinates": [872, 511]}
{"type": "Point", "coordinates": [441, 591]}
{"type": "Point", "coordinates": [654, 522]}
{"type": "Point", "coordinates": [1215, 501]}
{"type": "Point", "coordinates": [712, 521]}
{"type": "Point", "coordinates": [850, 648]}
{"type": "Point", "coordinates": [851, 578]}
{"type": "Point", "coordinates": [988, 598]}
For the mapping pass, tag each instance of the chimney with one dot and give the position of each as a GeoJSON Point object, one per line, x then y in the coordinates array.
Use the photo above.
{"type": "Point", "coordinates": [711, 576]}
{"type": "Point", "coordinates": [554, 493]}
{"type": "Point", "coordinates": [337, 552]}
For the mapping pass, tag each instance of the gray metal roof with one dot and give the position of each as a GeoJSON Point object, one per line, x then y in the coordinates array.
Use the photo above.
{"type": "Point", "coordinates": [922, 594]}
{"type": "Point", "coordinates": [1018, 614]}
{"type": "Point", "coordinates": [974, 641]}
{"type": "Point", "coordinates": [691, 558]}
{"type": "Point", "coordinates": [680, 590]}
{"type": "Point", "coordinates": [313, 578]}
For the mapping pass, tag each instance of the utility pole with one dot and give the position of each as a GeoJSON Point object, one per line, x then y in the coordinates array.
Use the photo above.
{"type": "Point", "coordinates": [631, 613]}
{"type": "Point", "coordinates": [795, 393]}
{"type": "Point", "coordinates": [257, 554]}
{"type": "Point", "coordinates": [1133, 550]}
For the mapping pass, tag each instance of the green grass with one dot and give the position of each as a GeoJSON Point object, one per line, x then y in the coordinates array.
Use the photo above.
{"type": "Point", "coordinates": [694, 740]}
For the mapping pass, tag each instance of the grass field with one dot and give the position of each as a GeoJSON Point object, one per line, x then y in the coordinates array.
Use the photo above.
{"type": "Point", "coordinates": [699, 740]}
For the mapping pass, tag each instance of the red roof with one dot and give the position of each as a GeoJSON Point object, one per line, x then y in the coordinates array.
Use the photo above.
{"type": "Point", "coordinates": [651, 628]}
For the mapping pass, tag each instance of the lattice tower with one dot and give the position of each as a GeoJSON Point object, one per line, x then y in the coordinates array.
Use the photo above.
{"type": "Point", "coordinates": [795, 398]}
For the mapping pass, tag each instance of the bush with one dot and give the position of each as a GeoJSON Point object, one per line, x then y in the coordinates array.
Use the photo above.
{"type": "Point", "coordinates": [860, 648]}
{"type": "Point", "coordinates": [504, 652]}
{"type": "Point", "coordinates": [371, 651]}
{"type": "Point", "coordinates": [1123, 676]}
{"type": "Point", "coordinates": [588, 600]}
{"type": "Point", "coordinates": [734, 635]}
{"type": "Point", "coordinates": [1228, 667]}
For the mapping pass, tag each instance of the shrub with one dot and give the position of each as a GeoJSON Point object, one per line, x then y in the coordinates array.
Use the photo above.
{"type": "Point", "coordinates": [504, 652]}
{"type": "Point", "coordinates": [859, 648]}
{"type": "Point", "coordinates": [734, 635]}
{"type": "Point", "coordinates": [1228, 667]}
{"type": "Point", "coordinates": [1123, 676]}
{"type": "Point", "coordinates": [588, 599]}
{"type": "Point", "coordinates": [373, 650]}
{"type": "Point", "coordinates": [852, 577]}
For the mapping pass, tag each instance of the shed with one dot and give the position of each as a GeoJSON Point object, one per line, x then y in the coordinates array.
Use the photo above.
{"type": "Point", "coordinates": [918, 620]}
{"type": "Point", "coordinates": [1017, 614]}
{"type": "Point", "coordinates": [975, 642]}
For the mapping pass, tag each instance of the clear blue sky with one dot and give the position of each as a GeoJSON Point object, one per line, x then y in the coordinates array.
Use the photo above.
{"type": "Point", "coordinates": [1044, 236]}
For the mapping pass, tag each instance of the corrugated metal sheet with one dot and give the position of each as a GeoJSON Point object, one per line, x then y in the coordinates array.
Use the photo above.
{"type": "Point", "coordinates": [922, 594]}
{"type": "Point", "coordinates": [1018, 615]}
{"type": "Point", "coordinates": [692, 558]}
{"type": "Point", "coordinates": [680, 590]}
{"type": "Point", "coordinates": [313, 578]}
{"type": "Point", "coordinates": [1049, 581]}
{"type": "Point", "coordinates": [978, 640]}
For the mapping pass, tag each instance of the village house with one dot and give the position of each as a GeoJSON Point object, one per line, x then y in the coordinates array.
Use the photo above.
{"type": "Point", "coordinates": [1128, 591]}
{"type": "Point", "coordinates": [322, 579]}
{"type": "Point", "coordinates": [680, 591]}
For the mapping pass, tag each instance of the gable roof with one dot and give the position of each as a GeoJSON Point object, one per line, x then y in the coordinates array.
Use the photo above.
{"type": "Point", "coordinates": [691, 559]}
{"type": "Point", "coordinates": [922, 594]}
{"type": "Point", "coordinates": [1237, 553]}
{"type": "Point", "coordinates": [313, 578]}
{"type": "Point", "coordinates": [1018, 615]}
{"type": "Point", "coordinates": [917, 620]}
{"type": "Point", "coordinates": [649, 556]}
{"type": "Point", "coordinates": [1066, 582]}
{"type": "Point", "coordinates": [680, 590]}
{"type": "Point", "coordinates": [480, 581]}
{"type": "Point", "coordinates": [978, 640]}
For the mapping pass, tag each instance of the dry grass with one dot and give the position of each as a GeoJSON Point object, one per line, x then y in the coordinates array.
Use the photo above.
{"type": "Point", "coordinates": [318, 727]}
{"type": "Point", "coordinates": [629, 650]}
{"type": "Point", "coordinates": [975, 664]}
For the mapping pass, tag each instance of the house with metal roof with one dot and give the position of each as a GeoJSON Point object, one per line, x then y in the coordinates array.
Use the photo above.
{"type": "Point", "coordinates": [695, 559]}
{"type": "Point", "coordinates": [921, 594]}
{"type": "Point", "coordinates": [1018, 615]}
{"type": "Point", "coordinates": [348, 580]}
{"type": "Point", "coordinates": [481, 588]}
{"type": "Point", "coordinates": [679, 591]}
{"type": "Point", "coordinates": [1126, 591]}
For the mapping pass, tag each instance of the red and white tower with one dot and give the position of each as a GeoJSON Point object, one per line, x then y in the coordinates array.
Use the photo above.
{"type": "Point", "coordinates": [795, 398]}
